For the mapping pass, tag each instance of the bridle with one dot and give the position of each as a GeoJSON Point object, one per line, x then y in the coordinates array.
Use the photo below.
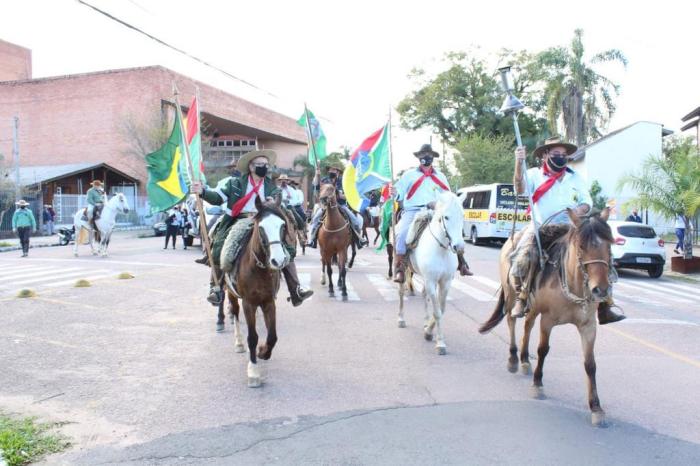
{"type": "Point", "coordinates": [582, 266]}
{"type": "Point", "coordinates": [265, 244]}
{"type": "Point", "coordinates": [444, 230]}
{"type": "Point", "coordinates": [324, 201]}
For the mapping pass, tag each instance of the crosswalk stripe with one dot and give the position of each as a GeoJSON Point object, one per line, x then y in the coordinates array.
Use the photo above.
{"type": "Point", "coordinates": [668, 289]}
{"type": "Point", "coordinates": [91, 277]}
{"type": "Point", "coordinates": [305, 282]}
{"type": "Point", "coordinates": [695, 291]}
{"type": "Point", "coordinates": [385, 287]}
{"type": "Point", "coordinates": [664, 295]}
{"type": "Point", "coordinates": [471, 291]}
{"type": "Point", "coordinates": [486, 281]}
{"type": "Point", "coordinates": [84, 273]}
{"type": "Point", "coordinates": [21, 269]}
{"type": "Point", "coordinates": [43, 271]}
{"type": "Point", "coordinates": [352, 294]}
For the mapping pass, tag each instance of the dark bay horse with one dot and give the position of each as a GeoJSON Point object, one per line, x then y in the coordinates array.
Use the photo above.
{"type": "Point", "coordinates": [574, 281]}
{"type": "Point", "coordinates": [334, 238]}
{"type": "Point", "coordinates": [370, 221]}
{"type": "Point", "coordinates": [257, 280]}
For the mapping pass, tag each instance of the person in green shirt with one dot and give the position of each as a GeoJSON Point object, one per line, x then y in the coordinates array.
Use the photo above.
{"type": "Point", "coordinates": [238, 194]}
{"type": "Point", "coordinates": [95, 199]}
{"type": "Point", "coordinates": [23, 223]}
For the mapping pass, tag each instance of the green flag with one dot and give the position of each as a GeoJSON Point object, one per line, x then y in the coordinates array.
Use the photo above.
{"type": "Point", "coordinates": [314, 133]}
{"type": "Point", "coordinates": [166, 180]}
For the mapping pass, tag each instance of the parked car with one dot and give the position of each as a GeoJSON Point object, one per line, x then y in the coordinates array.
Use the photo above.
{"type": "Point", "coordinates": [159, 228]}
{"type": "Point", "coordinates": [637, 246]}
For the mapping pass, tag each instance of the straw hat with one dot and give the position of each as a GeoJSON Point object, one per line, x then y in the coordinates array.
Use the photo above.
{"type": "Point", "coordinates": [283, 177]}
{"type": "Point", "coordinates": [21, 203]}
{"type": "Point", "coordinates": [554, 142]}
{"type": "Point", "coordinates": [96, 183]}
{"type": "Point", "coordinates": [245, 159]}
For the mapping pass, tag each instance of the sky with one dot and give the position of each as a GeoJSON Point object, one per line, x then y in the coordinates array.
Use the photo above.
{"type": "Point", "coordinates": [350, 60]}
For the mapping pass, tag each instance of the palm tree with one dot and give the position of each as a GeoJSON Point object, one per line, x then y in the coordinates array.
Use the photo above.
{"type": "Point", "coordinates": [670, 185]}
{"type": "Point", "coordinates": [583, 98]}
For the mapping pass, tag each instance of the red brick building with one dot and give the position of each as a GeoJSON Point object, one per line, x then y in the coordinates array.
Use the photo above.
{"type": "Point", "coordinates": [80, 118]}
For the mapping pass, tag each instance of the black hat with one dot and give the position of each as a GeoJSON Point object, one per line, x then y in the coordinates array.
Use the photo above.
{"type": "Point", "coordinates": [426, 149]}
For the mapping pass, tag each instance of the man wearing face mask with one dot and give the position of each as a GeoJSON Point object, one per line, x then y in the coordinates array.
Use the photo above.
{"type": "Point", "coordinates": [239, 196]}
{"type": "Point", "coordinates": [418, 189]}
{"type": "Point", "coordinates": [554, 187]}
{"type": "Point", "coordinates": [335, 177]}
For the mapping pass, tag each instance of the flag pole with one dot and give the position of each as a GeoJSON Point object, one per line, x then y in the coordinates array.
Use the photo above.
{"type": "Point", "coordinates": [391, 167]}
{"type": "Point", "coordinates": [203, 233]}
{"type": "Point", "coordinates": [311, 136]}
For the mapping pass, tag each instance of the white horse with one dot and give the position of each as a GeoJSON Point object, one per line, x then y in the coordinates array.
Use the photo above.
{"type": "Point", "coordinates": [435, 260]}
{"type": "Point", "coordinates": [105, 224]}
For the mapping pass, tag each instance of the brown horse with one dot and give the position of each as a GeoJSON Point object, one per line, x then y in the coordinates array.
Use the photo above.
{"type": "Point", "coordinates": [257, 281]}
{"type": "Point", "coordinates": [334, 237]}
{"type": "Point", "coordinates": [370, 221]}
{"type": "Point", "coordinates": [574, 281]}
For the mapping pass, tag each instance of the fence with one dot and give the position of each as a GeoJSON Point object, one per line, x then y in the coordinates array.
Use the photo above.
{"type": "Point", "coordinates": [7, 208]}
{"type": "Point", "coordinates": [66, 205]}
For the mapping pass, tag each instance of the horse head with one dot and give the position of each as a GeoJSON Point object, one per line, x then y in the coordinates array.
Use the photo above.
{"type": "Point", "coordinates": [120, 203]}
{"type": "Point", "coordinates": [271, 227]}
{"type": "Point", "coordinates": [591, 239]}
{"type": "Point", "coordinates": [449, 215]}
{"type": "Point", "coordinates": [327, 195]}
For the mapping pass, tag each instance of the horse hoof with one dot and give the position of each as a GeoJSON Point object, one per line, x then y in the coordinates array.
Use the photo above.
{"type": "Point", "coordinates": [331, 294]}
{"type": "Point", "coordinates": [345, 298]}
{"type": "Point", "coordinates": [254, 382]}
{"type": "Point", "coordinates": [537, 393]}
{"type": "Point", "coordinates": [239, 348]}
{"type": "Point", "coordinates": [323, 281]}
{"type": "Point", "coordinates": [219, 328]}
{"type": "Point", "coordinates": [441, 350]}
{"type": "Point", "coordinates": [428, 336]}
{"type": "Point", "coordinates": [525, 368]}
{"type": "Point", "coordinates": [598, 419]}
{"type": "Point", "coordinates": [512, 367]}
{"type": "Point", "coordinates": [402, 323]}
{"type": "Point", "coordinates": [75, 254]}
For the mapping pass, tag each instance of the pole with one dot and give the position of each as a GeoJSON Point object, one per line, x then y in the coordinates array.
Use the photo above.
{"type": "Point", "coordinates": [15, 157]}
{"type": "Point", "coordinates": [311, 136]}
{"type": "Point", "coordinates": [391, 165]}
{"type": "Point", "coordinates": [203, 233]}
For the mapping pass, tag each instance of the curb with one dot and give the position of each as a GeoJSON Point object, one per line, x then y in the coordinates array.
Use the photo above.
{"type": "Point", "coordinates": [32, 246]}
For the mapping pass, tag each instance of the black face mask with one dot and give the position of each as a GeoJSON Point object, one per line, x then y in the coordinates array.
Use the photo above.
{"type": "Point", "coordinates": [23, 207]}
{"type": "Point", "coordinates": [557, 163]}
{"type": "Point", "coordinates": [261, 171]}
{"type": "Point", "coordinates": [333, 175]}
{"type": "Point", "coordinates": [426, 160]}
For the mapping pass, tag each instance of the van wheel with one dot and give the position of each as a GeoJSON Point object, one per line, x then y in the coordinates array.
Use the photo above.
{"type": "Point", "coordinates": [474, 236]}
{"type": "Point", "coordinates": [656, 271]}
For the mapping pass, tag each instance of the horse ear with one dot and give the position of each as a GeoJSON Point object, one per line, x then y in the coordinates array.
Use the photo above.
{"type": "Point", "coordinates": [575, 220]}
{"type": "Point", "coordinates": [605, 214]}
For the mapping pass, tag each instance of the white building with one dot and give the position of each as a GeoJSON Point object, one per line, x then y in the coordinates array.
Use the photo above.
{"type": "Point", "coordinates": [619, 153]}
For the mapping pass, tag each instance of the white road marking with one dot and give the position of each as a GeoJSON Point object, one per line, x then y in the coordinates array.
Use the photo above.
{"type": "Point", "coordinates": [669, 290]}
{"type": "Point", "coordinates": [24, 268]}
{"type": "Point", "coordinates": [352, 295]}
{"type": "Point", "coordinates": [662, 295]}
{"type": "Point", "coordinates": [695, 291]}
{"type": "Point", "coordinates": [630, 320]}
{"type": "Point", "coordinates": [386, 288]}
{"type": "Point", "coordinates": [305, 282]}
{"type": "Point", "coordinates": [485, 281]}
{"type": "Point", "coordinates": [41, 271]}
{"type": "Point", "coordinates": [83, 273]}
{"type": "Point", "coordinates": [473, 292]}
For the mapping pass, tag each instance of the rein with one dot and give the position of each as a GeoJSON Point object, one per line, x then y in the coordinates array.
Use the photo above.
{"type": "Point", "coordinates": [329, 207]}
{"type": "Point", "coordinates": [263, 242]}
{"type": "Point", "coordinates": [447, 235]}
{"type": "Point", "coordinates": [563, 278]}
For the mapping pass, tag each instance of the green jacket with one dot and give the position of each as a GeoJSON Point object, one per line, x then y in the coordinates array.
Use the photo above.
{"type": "Point", "coordinates": [23, 218]}
{"type": "Point", "coordinates": [234, 190]}
{"type": "Point", "coordinates": [95, 196]}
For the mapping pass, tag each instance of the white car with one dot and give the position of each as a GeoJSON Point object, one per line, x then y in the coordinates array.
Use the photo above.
{"type": "Point", "coordinates": [637, 246]}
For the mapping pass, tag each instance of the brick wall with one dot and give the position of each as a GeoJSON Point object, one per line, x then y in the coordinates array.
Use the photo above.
{"type": "Point", "coordinates": [15, 62]}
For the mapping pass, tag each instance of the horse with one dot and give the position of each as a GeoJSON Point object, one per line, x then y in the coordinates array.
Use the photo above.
{"type": "Point", "coordinates": [371, 219]}
{"type": "Point", "coordinates": [574, 281]}
{"type": "Point", "coordinates": [435, 259]}
{"type": "Point", "coordinates": [257, 279]}
{"type": "Point", "coordinates": [334, 238]}
{"type": "Point", "coordinates": [105, 224]}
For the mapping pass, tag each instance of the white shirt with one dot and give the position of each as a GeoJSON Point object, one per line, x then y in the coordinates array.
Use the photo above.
{"type": "Point", "coordinates": [427, 192]}
{"type": "Point", "coordinates": [287, 195]}
{"type": "Point", "coordinates": [298, 197]}
{"type": "Point", "coordinates": [680, 223]}
{"type": "Point", "coordinates": [570, 191]}
{"type": "Point", "coordinates": [250, 205]}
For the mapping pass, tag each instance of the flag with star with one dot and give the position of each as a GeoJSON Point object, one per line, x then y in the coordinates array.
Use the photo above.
{"type": "Point", "coordinates": [166, 179]}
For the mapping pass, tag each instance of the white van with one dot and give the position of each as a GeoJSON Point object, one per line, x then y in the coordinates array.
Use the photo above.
{"type": "Point", "coordinates": [489, 211]}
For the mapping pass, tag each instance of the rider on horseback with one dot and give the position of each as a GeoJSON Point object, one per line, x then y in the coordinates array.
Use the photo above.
{"type": "Point", "coordinates": [95, 200]}
{"type": "Point", "coordinates": [418, 189]}
{"type": "Point", "coordinates": [289, 197]}
{"type": "Point", "coordinates": [555, 187]}
{"type": "Point", "coordinates": [239, 196]}
{"type": "Point", "coordinates": [335, 177]}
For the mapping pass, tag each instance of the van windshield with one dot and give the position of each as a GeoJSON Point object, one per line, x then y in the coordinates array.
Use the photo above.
{"type": "Point", "coordinates": [505, 198]}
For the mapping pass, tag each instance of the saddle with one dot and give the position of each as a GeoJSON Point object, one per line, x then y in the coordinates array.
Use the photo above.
{"type": "Point", "coordinates": [96, 213]}
{"type": "Point", "coordinates": [235, 244]}
{"type": "Point", "coordinates": [415, 231]}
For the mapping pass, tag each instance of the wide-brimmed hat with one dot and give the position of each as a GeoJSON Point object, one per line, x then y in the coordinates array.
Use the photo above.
{"type": "Point", "coordinates": [245, 159]}
{"type": "Point", "coordinates": [283, 177]}
{"type": "Point", "coordinates": [337, 165]}
{"type": "Point", "coordinates": [554, 141]}
{"type": "Point", "coordinates": [426, 149]}
{"type": "Point", "coordinates": [96, 183]}
{"type": "Point", "coordinates": [22, 202]}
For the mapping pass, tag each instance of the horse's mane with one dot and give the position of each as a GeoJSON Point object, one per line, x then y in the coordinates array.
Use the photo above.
{"type": "Point", "coordinates": [269, 207]}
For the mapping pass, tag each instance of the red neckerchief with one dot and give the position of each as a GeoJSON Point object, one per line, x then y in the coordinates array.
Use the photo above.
{"type": "Point", "coordinates": [552, 178]}
{"type": "Point", "coordinates": [240, 204]}
{"type": "Point", "coordinates": [429, 174]}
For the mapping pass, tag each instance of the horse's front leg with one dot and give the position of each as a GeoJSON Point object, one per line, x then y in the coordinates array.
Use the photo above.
{"type": "Point", "coordinates": [444, 288]}
{"type": "Point", "coordinates": [376, 237]}
{"type": "Point", "coordinates": [269, 314]}
{"type": "Point", "coordinates": [352, 255]}
{"type": "Point", "coordinates": [91, 237]}
{"type": "Point", "coordinates": [329, 271]}
{"type": "Point", "coordinates": [254, 379]}
{"type": "Point", "coordinates": [542, 350]}
{"type": "Point", "coordinates": [77, 240]}
{"type": "Point", "coordinates": [525, 345]}
{"type": "Point", "coordinates": [342, 271]}
{"type": "Point", "coordinates": [430, 304]}
{"type": "Point", "coordinates": [390, 255]}
{"type": "Point", "coordinates": [234, 310]}
{"type": "Point", "coordinates": [323, 272]}
{"type": "Point", "coordinates": [588, 334]}
{"type": "Point", "coordinates": [220, 317]}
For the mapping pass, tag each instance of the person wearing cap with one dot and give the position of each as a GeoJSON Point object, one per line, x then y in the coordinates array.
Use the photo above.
{"type": "Point", "coordinates": [418, 189]}
{"type": "Point", "coordinates": [23, 223]}
{"type": "Point", "coordinates": [239, 196]}
{"type": "Point", "coordinates": [554, 187]}
{"type": "Point", "coordinates": [95, 199]}
{"type": "Point", "coordinates": [335, 177]}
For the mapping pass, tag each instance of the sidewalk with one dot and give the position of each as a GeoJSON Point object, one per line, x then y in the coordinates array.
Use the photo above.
{"type": "Point", "coordinates": [48, 241]}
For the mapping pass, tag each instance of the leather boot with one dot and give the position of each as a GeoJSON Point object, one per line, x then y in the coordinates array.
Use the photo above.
{"type": "Point", "coordinates": [297, 294]}
{"type": "Point", "coordinates": [462, 266]}
{"type": "Point", "coordinates": [204, 260]}
{"type": "Point", "coordinates": [216, 294]}
{"type": "Point", "coordinates": [606, 314]}
{"type": "Point", "coordinates": [400, 268]}
{"type": "Point", "coordinates": [520, 299]}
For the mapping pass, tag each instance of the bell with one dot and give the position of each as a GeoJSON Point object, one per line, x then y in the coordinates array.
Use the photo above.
{"type": "Point", "coordinates": [511, 104]}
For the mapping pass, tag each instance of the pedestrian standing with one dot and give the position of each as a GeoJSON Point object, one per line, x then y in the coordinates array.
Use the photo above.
{"type": "Point", "coordinates": [171, 228]}
{"type": "Point", "coordinates": [23, 223]}
{"type": "Point", "coordinates": [52, 213]}
{"type": "Point", "coordinates": [680, 234]}
{"type": "Point", "coordinates": [634, 216]}
{"type": "Point", "coordinates": [185, 222]}
{"type": "Point", "coordinates": [46, 219]}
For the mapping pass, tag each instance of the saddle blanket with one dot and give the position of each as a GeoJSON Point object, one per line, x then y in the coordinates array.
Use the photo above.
{"type": "Point", "coordinates": [420, 223]}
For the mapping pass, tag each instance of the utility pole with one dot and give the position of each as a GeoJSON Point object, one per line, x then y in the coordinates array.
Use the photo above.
{"type": "Point", "coordinates": [15, 157]}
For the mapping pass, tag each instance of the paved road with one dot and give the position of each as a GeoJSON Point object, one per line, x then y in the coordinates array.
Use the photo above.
{"type": "Point", "coordinates": [138, 371]}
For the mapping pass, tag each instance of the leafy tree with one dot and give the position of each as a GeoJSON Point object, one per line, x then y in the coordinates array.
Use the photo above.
{"type": "Point", "coordinates": [583, 98]}
{"type": "Point", "coordinates": [599, 200]}
{"type": "Point", "coordinates": [484, 159]}
{"type": "Point", "coordinates": [145, 133]}
{"type": "Point", "coordinates": [670, 184]}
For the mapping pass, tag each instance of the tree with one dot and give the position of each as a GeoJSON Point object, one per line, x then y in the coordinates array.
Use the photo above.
{"type": "Point", "coordinates": [599, 200]}
{"type": "Point", "coordinates": [465, 99]}
{"type": "Point", "coordinates": [146, 133]}
{"type": "Point", "coordinates": [669, 184]}
{"type": "Point", "coordinates": [484, 159]}
{"type": "Point", "coordinates": [583, 98]}
{"type": "Point", "coordinates": [7, 190]}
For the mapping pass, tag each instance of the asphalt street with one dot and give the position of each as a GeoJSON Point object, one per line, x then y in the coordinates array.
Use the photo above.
{"type": "Point", "coordinates": [139, 375]}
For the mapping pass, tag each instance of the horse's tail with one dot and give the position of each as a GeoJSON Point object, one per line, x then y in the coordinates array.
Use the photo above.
{"type": "Point", "coordinates": [82, 236]}
{"type": "Point", "coordinates": [498, 313]}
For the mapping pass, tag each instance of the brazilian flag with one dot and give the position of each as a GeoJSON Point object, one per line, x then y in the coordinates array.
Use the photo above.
{"type": "Point", "coordinates": [166, 182]}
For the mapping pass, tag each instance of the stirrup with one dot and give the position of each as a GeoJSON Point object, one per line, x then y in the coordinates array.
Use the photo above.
{"type": "Point", "coordinates": [214, 297]}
